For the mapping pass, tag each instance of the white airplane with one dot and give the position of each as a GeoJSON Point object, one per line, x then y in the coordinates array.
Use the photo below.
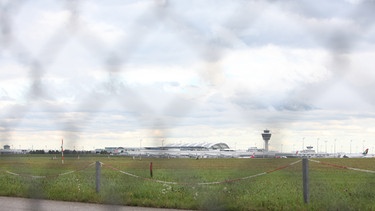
{"type": "Point", "coordinates": [360, 155]}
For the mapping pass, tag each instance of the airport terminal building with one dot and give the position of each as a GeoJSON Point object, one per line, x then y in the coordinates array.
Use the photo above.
{"type": "Point", "coordinates": [196, 146]}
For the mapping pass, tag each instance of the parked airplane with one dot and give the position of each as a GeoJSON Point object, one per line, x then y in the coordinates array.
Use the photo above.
{"type": "Point", "coordinates": [287, 155]}
{"type": "Point", "coordinates": [360, 155]}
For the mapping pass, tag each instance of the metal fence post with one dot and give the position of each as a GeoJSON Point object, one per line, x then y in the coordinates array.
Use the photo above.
{"type": "Point", "coordinates": [305, 172]}
{"type": "Point", "coordinates": [97, 181]}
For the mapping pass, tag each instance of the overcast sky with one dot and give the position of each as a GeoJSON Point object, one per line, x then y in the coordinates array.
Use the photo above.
{"type": "Point", "coordinates": [147, 73]}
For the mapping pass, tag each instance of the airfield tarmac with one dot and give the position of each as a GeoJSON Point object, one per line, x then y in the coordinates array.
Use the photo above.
{"type": "Point", "coordinates": [23, 204]}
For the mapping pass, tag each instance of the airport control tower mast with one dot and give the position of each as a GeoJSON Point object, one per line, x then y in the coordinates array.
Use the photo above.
{"type": "Point", "coordinates": [266, 137]}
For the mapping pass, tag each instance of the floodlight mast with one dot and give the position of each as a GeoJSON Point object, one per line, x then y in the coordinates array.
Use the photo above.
{"type": "Point", "coordinates": [266, 135]}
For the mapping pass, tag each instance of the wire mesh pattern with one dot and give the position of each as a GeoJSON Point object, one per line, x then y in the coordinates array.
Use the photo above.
{"type": "Point", "coordinates": [79, 114]}
{"type": "Point", "coordinates": [85, 80]}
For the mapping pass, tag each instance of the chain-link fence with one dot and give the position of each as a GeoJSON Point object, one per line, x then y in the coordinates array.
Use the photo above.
{"type": "Point", "coordinates": [147, 73]}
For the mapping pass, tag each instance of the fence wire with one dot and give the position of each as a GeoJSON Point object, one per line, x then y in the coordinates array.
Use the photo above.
{"type": "Point", "coordinates": [343, 167]}
{"type": "Point", "coordinates": [205, 183]}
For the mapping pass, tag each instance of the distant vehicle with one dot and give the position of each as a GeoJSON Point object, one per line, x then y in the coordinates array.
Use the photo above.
{"type": "Point", "coordinates": [359, 155]}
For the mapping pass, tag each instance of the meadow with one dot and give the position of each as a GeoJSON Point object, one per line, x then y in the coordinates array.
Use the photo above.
{"type": "Point", "coordinates": [204, 184]}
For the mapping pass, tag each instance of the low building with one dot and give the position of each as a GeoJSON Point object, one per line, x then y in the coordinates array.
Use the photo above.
{"type": "Point", "coordinates": [197, 146]}
{"type": "Point", "coordinates": [308, 152]}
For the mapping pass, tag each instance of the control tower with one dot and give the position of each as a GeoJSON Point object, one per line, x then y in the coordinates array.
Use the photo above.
{"type": "Point", "coordinates": [266, 137]}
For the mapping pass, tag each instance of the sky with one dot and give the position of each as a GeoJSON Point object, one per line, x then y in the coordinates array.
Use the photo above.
{"type": "Point", "coordinates": [150, 73]}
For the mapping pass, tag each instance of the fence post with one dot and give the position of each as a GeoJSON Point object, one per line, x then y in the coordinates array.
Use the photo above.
{"type": "Point", "coordinates": [97, 181]}
{"type": "Point", "coordinates": [305, 172]}
{"type": "Point", "coordinates": [151, 170]}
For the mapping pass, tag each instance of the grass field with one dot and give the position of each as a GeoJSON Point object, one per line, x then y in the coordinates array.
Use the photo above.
{"type": "Point", "coordinates": [331, 188]}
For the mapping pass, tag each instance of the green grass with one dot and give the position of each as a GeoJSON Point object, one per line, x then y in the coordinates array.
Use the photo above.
{"type": "Point", "coordinates": [330, 188]}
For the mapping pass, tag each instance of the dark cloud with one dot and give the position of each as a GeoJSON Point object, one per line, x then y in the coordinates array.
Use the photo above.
{"type": "Point", "coordinates": [247, 102]}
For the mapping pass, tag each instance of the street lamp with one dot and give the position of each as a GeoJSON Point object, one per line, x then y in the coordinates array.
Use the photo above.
{"type": "Point", "coordinates": [363, 145]}
{"type": "Point", "coordinates": [326, 145]}
{"type": "Point", "coordinates": [334, 149]}
{"type": "Point", "coordinates": [303, 143]}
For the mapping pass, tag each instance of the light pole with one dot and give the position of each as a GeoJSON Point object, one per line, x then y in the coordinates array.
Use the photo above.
{"type": "Point", "coordinates": [363, 145]}
{"type": "Point", "coordinates": [334, 149]}
{"type": "Point", "coordinates": [326, 146]}
{"type": "Point", "coordinates": [303, 143]}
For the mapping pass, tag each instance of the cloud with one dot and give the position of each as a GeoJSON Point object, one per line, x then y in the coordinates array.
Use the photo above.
{"type": "Point", "coordinates": [179, 71]}
{"type": "Point", "coordinates": [269, 75]}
